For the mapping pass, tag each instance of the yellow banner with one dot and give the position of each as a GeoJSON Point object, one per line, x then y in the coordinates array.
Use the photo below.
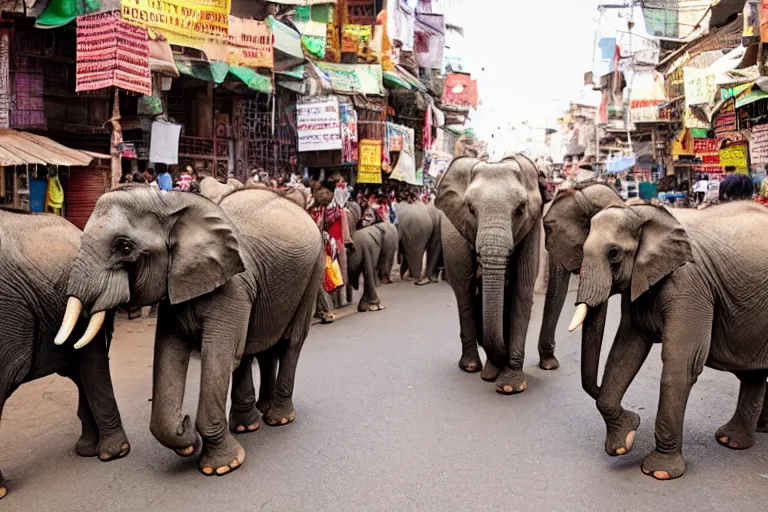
{"type": "Point", "coordinates": [369, 167]}
{"type": "Point", "coordinates": [736, 156]}
{"type": "Point", "coordinates": [197, 19]}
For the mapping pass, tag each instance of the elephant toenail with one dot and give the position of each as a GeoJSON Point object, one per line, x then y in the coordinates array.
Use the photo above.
{"type": "Point", "coordinates": [222, 470]}
{"type": "Point", "coordinates": [208, 470]}
{"type": "Point", "coordinates": [240, 428]}
{"type": "Point", "coordinates": [283, 421]}
{"type": "Point", "coordinates": [621, 451]}
{"type": "Point", "coordinates": [3, 492]}
{"type": "Point", "coordinates": [661, 475]}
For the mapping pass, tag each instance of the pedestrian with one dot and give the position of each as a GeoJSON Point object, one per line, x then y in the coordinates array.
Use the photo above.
{"type": "Point", "coordinates": [164, 179]}
{"type": "Point", "coordinates": [736, 187]}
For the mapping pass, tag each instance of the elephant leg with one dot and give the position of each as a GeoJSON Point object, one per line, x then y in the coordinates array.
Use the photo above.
{"type": "Point", "coordinates": [17, 364]}
{"type": "Point", "coordinates": [370, 299]}
{"type": "Point", "coordinates": [88, 444]}
{"type": "Point", "coordinates": [433, 256]}
{"type": "Point", "coordinates": [685, 347]}
{"type": "Point", "coordinates": [460, 271]}
{"type": "Point", "coordinates": [557, 289]}
{"type": "Point", "coordinates": [387, 256]}
{"type": "Point", "coordinates": [739, 432]}
{"type": "Point", "coordinates": [281, 411]}
{"type": "Point", "coordinates": [414, 254]}
{"type": "Point", "coordinates": [222, 336]}
{"type": "Point", "coordinates": [243, 415]}
{"type": "Point", "coordinates": [93, 369]}
{"type": "Point", "coordinates": [3, 487]}
{"type": "Point", "coordinates": [402, 260]}
{"type": "Point", "coordinates": [268, 379]}
{"type": "Point", "coordinates": [762, 422]}
{"type": "Point", "coordinates": [524, 264]}
{"type": "Point", "coordinates": [169, 376]}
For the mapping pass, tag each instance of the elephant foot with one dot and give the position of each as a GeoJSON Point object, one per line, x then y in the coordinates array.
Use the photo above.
{"type": "Point", "coordinates": [327, 317]}
{"type": "Point", "coordinates": [386, 280]}
{"type": "Point", "coordinates": [490, 373]}
{"type": "Point", "coordinates": [88, 444]}
{"type": "Point", "coordinates": [434, 279]}
{"type": "Point", "coordinates": [511, 382]}
{"type": "Point", "coordinates": [470, 364]}
{"type": "Point", "coordinates": [222, 458]}
{"type": "Point", "coordinates": [243, 422]}
{"type": "Point", "coordinates": [182, 439]}
{"type": "Point", "coordinates": [365, 306]}
{"type": "Point", "coordinates": [3, 491]}
{"type": "Point", "coordinates": [664, 466]}
{"type": "Point", "coordinates": [422, 282]}
{"type": "Point", "coordinates": [549, 363]}
{"type": "Point", "coordinates": [275, 417]}
{"type": "Point", "coordinates": [621, 434]}
{"type": "Point", "coordinates": [377, 307]}
{"type": "Point", "coordinates": [114, 447]}
{"type": "Point", "coordinates": [735, 436]}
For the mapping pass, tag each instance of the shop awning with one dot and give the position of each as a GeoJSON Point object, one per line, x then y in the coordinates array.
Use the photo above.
{"type": "Point", "coordinates": [752, 97]}
{"type": "Point", "coordinates": [252, 79]}
{"type": "Point", "coordinates": [63, 12]}
{"type": "Point", "coordinates": [217, 72]}
{"type": "Point", "coordinates": [287, 42]}
{"type": "Point", "coordinates": [401, 78]}
{"type": "Point", "coordinates": [394, 79]}
{"type": "Point", "coordinates": [23, 148]}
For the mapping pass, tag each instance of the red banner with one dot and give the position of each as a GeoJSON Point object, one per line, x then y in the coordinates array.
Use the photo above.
{"type": "Point", "coordinates": [460, 91]}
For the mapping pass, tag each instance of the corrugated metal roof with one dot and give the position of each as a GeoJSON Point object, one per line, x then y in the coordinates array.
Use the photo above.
{"type": "Point", "coordinates": [22, 148]}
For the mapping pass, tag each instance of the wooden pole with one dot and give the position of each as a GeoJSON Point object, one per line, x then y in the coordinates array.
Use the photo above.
{"type": "Point", "coordinates": [115, 140]}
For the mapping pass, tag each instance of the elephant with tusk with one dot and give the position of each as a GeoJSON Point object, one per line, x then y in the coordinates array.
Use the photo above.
{"type": "Point", "coordinates": [235, 280]}
{"type": "Point", "coordinates": [37, 253]}
{"type": "Point", "coordinates": [692, 283]}
{"type": "Point", "coordinates": [493, 216]}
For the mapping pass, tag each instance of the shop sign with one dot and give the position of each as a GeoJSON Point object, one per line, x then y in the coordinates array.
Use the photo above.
{"type": "Point", "coordinates": [250, 44]}
{"type": "Point", "coordinates": [369, 168]}
{"type": "Point", "coordinates": [354, 78]}
{"type": "Point", "coordinates": [460, 90]}
{"type": "Point", "coordinates": [5, 91]}
{"type": "Point", "coordinates": [699, 86]}
{"type": "Point", "coordinates": [356, 39]}
{"type": "Point", "coordinates": [735, 156]}
{"type": "Point", "coordinates": [348, 134]}
{"type": "Point", "coordinates": [318, 124]}
{"type": "Point", "coordinates": [196, 19]}
{"type": "Point", "coordinates": [758, 147]}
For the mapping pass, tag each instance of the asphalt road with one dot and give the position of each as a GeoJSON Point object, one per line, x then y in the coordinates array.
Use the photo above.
{"type": "Point", "coordinates": [387, 422]}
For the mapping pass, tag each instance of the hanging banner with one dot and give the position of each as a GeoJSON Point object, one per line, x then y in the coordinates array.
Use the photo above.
{"type": "Point", "coordinates": [196, 19]}
{"type": "Point", "coordinates": [111, 53]}
{"type": "Point", "coordinates": [369, 168]}
{"type": "Point", "coordinates": [318, 125]}
{"type": "Point", "coordinates": [429, 40]}
{"type": "Point", "coordinates": [354, 78]}
{"type": "Point", "coordinates": [758, 147]}
{"type": "Point", "coordinates": [460, 91]}
{"type": "Point", "coordinates": [699, 86]}
{"type": "Point", "coordinates": [348, 133]}
{"type": "Point", "coordinates": [250, 44]}
{"type": "Point", "coordinates": [5, 90]}
{"type": "Point", "coordinates": [735, 156]}
{"type": "Point", "coordinates": [405, 168]}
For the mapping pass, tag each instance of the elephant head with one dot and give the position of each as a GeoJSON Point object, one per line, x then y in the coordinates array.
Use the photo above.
{"type": "Point", "coordinates": [566, 224]}
{"type": "Point", "coordinates": [493, 206]}
{"type": "Point", "coordinates": [142, 245]}
{"type": "Point", "coordinates": [628, 249]}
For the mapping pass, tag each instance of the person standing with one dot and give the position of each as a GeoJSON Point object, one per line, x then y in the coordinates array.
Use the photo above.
{"type": "Point", "coordinates": [164, 179]}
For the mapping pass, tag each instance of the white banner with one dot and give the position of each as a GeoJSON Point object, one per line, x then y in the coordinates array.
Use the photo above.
{"type": "Point", "coordinates": [318, 124]}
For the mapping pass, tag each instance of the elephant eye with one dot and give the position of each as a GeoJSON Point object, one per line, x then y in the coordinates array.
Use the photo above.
{"type": "Point", "coordinates": [520, 210]}
{"type": "Point", "coordinates": [471, 209]}
{"type": "Point", "coordinates": [124, 247]}
{"type": "Point", "coordinates": [614, 253]}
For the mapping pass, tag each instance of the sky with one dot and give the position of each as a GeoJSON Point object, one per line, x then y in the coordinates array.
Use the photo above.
{"type": "Point", "coordinates": [529, 58]}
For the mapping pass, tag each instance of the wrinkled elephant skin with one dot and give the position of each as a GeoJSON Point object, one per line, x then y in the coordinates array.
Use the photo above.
{"type": "Point", "coordinates": [237, 281]}
{"type": "Point", "coordinates": [372, 255]}
{"type": "Point", "coordinates": [419, 231]}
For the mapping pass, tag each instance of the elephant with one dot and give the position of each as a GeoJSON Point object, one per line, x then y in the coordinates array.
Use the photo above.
{"type": "Point", "coordinates": [373, 255]}
{"type": "Point", "coordinates": [566, 225]}
{"type": "Point", "coordinates": [419, 231]}
{"type": "Point", "coordinates": [692, 284]}
{"type": "Point", "coordinates": [234, 280]}
{"type": "Point", "coordinates": [37, 253]}
{"type": "Point", "coordinates": [214, 190]}
{"type": "Point", "coordinates": [491, 243]}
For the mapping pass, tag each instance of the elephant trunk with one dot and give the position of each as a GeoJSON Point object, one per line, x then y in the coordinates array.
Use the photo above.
{"type": "Point", "coordinates": [494, 276]}
{"type": "Point", "coordinates": [591, 343]}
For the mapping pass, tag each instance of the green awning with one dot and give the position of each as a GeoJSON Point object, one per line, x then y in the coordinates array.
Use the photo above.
{"type": "Point", "coordinates": [252, 79]}
{"type": "Point", "coordinates": [394, 79]}
{"type": "Point", "coordinates": [63, 12]}
{"type": "Point", "coordinates": [208, 71]}
{"type": "Point", "coordinates": [297, 72]}
{"type": "Point", "coordinates": [288, 52]}
{"type": "Point", "coordinates": [412, 80]}
{"type": "Point", "coordinates": [751, 98]}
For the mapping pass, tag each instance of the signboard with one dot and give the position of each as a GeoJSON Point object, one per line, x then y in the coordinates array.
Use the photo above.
{"type": "Point", "coordinates": [354, 78]}
{"type": "Point", "coordinates": [356, 38]}
{"type": "Point", "coordinates": [736, 156]}
{"type": "Point", "coordinates": [250, 44]}
{"type": "Point", "coordinates": [369, 169]}
{"type": "Point", "coordinates": [699, 85]}
{"type": "Point", "coordinates": [5, 90]}
{"type": "Point", "coordinates": [197, 19]}
{"type": "Point", "coordinates": [318, 126]}
{"type": "Point", "coordinates": [460, 90]}
{"type": "Point", "coordinates": [758, 147]}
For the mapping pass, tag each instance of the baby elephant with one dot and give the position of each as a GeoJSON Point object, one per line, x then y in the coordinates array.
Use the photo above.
{"type": "Point", "coordinates": [373, 255]}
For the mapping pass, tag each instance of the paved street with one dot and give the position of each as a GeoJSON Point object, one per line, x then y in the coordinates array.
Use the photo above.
{"type": "Point", "coordinates": [387, 422]}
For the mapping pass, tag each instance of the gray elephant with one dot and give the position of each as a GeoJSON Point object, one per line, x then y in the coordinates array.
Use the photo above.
{"type": "Point", "coordinates": [419, 231]}
{"type": "Point", "coordinates": [692, 284]}
{"type": "Point", "coordinates": [372, 255]}
{"type": "Point", "coordinates": [566, 225]}
{"type": "Point", "coordinates": [37, 253]}
{"type": "Point", "coordinates": [491, 244]}
{"type": "Point", "coordinates": [218, 272]}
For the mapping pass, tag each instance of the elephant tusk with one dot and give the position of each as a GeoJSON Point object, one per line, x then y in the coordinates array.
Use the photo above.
{"type": "Point", "coordinates": [578, 317]}
{"type": "Point", "coordinates": [74, 308]}
{"type": "Point", "coordinates": [97, 320]}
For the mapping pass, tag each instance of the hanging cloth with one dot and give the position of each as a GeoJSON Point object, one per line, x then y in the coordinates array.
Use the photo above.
{"type": "Point", "coordinates": [55, 196]}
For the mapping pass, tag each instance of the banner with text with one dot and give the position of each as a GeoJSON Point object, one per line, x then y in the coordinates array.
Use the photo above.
{"type": "Point", "coordinates": [318, 124]}
{"type": "Point", "coordinates": [196, 19]}
{"type": "Point", "coordinates": [250, 44]}
{"type": "Point", "coordinates": [369, 168]}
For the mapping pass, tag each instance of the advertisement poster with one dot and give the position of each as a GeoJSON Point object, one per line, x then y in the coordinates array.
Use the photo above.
{"type": "Point", "coordinates": [348, 133]}
{"type": "Point", "coordinates": [736, 156]}
{"type": "Point", "coordinates": [318, 124]}
{"type": "Point", "coordinates": [353, 78]}
{"type": "Point", "coordinates": [369, 168]}
{"type": "Point", "coordinates": [196, 19]}
{"type": "Point", "coordinates": [250, 44]}
{"type": "Point", "coordinates": [699, 85]}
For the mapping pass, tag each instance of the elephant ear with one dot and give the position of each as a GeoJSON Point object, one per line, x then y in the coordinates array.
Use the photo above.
{"type": "Point", "coordinates": [450, 196]}
{"type": "Point", "coordinates": [663, 247]}
{"type": "Point", "coordinates": [204, 250]}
